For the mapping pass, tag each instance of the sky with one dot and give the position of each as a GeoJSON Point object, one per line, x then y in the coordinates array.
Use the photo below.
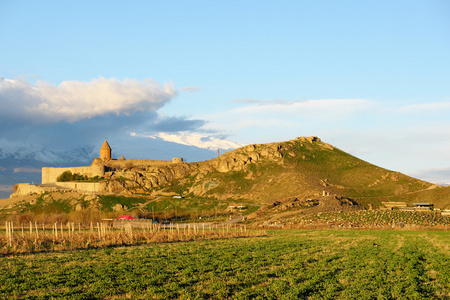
{"type": "Point", "coordinates": [369, 77]}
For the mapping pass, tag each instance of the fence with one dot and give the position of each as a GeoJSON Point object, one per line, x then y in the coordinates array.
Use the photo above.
{"type": "Point", "coordinates": [33, 237]}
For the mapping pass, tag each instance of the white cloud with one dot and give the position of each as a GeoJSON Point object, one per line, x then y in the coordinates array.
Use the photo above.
{"type": "Point", "coordinates": [437, 107]}
{"type": "Point", "coordinates": [437, 175]}
{"type": "Point", "coordinates": [190, 89]}
{"type": "Point", "coordinates": [73, 101]}
{"type": "Point", "coordinates": [265, 118]}
{"type": "Point", "coordinates": [247, 100]}
{"type": "Point", "coordinates": [326, 108]}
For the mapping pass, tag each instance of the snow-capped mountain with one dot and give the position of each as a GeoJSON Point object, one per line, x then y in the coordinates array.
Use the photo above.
{"type": "Point", "coordinates": [22, 163]}
{"type": "Point", "coordinates": [197, 140]}
{"type": "Point", "coordinates": [32, 155]}
{"type": "Point", "coordinates": [166, 147]}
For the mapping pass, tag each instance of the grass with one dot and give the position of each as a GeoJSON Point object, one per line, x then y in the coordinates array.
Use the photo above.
{"type": "Point", "coordinates": [190, 203]}
{"type": "Point", "coordinates": [162, 207]}
{"type": "Point", "coordinates": [192, 207]}
{"type": "Point", "coordinates": [360, 178]}
{"type": "Point", "coordinates": [48, 206]}
{"type": "Point", "coordinates": [305, 170]}
{"type": "Point", "coordinates": [284, 265]}
{"type": "Point", "coordinates": [108, 202]}
{"type": "Point", "coordinates": [225, 182]}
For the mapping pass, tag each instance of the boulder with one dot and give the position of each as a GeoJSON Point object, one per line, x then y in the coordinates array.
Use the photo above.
{"type": "Point", "coordinates": [119, 207]}
{"type": "Point", "coordinates": [79, 207]}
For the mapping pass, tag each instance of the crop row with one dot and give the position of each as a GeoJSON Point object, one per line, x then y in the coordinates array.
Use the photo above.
{"type": "Point", "coordinates": [374, 218]}
{"type": "Point", "coordinates": [288, 264]}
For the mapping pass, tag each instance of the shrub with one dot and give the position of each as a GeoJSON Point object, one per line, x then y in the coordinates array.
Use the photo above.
{"type": "Point", "coordinates": [68, 176]}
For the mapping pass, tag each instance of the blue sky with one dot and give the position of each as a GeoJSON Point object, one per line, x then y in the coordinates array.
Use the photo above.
{"type": "Point", "coordinates": [370, 77]}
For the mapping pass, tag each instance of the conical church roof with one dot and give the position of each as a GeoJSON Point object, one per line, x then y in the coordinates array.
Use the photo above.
{"type": "Point", "coordinates": [105, 146]}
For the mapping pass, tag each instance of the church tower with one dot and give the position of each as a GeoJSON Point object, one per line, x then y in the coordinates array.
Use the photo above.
{"type": "Point", "coordinates": [105, 151]}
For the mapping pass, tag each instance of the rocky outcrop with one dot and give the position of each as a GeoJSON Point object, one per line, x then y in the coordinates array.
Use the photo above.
{"type": "Point", "coordinates": [238, 159]}
{"type": "Point", "coordinates": [310, 139]}
{"type": "Point", "coordinates": [137, 178]}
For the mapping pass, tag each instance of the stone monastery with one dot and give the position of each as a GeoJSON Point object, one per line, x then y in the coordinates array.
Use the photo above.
{"type": "Point", "coordinates": [102, 167]}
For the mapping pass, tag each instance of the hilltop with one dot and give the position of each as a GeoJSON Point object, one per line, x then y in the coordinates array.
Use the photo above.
{"type": "Point", "coordinates": [304, 175]}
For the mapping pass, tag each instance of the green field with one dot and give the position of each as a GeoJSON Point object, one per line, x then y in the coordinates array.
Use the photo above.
{"type": "Point", "coordinates": [283, 265]}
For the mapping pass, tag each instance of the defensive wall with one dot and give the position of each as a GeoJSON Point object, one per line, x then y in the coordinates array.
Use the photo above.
{"type": "Point", "coordinates": [87, 187]}
{"type": "Point", "coordinates": [140, 163]}
{"type": "Point", "coordinates": [98, 168]}
{"type": "Point", "coordinates": [23, 189]}
{"type": "Point", "coordinates": [49, 175]}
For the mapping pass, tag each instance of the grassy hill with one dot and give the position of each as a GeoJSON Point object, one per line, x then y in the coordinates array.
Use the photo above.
{"type": "Point", "coordinates": [306, 168]}
{"type": "Point", "coordinates": [304, 175]}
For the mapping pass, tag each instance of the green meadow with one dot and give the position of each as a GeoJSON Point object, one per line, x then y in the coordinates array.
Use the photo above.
{"type": "Point", "coordinates": [322, 264]}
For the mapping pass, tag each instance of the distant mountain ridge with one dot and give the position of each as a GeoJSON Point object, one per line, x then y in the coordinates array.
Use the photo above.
{"type": "Point", "coordinates": [39, 155]}
{"type": "Point", "coordinates": [22, 163]}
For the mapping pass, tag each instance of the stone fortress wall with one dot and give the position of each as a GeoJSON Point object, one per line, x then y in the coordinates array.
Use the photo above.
{"type": "Point", "coordinates": [142, 163]}
{"type": "Point", "coordinates": [28, 189]}
{"type": "Point", "coordinates": [86, 187]}
{"type": "Point", "coordinates": [99, 167]}
{"type": "Point", "coordinates": [49, 175]}
{"type": "Point", "coordinates": [23, 189]}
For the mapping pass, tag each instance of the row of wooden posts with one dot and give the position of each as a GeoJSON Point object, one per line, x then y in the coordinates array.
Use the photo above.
{"type": "Point", "coordinates": [58, 230]}
{"type": "Point", "coordinates": [196, 230]}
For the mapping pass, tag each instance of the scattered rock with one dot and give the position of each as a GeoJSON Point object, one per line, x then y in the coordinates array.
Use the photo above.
{"type": "Point", "coordinates": [91, 198]}
{"type": "Point", "coordinates": [119, 207]}
{"type": "Point", "coordinates": [79, 207]}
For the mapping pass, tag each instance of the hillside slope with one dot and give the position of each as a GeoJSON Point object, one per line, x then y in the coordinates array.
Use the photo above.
{"type": "Point", "coordinates": [300, 175]}
{"type": "Point", "coordinates": [301, 168]}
